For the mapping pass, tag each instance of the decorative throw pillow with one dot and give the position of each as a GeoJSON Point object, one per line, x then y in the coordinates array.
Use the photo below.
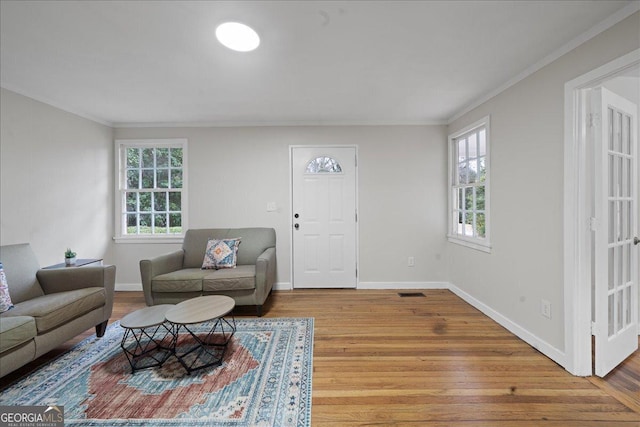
{"type": "Point", "coordinates": [209, 262]}
{"type": "Point", "coordinates": [5, 298]}
{"type": "Point", "coordinates": [221, 253]}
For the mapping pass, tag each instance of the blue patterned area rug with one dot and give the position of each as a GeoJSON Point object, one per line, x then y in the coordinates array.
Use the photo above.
{"type": "Point", "coordinates": [264, 380]}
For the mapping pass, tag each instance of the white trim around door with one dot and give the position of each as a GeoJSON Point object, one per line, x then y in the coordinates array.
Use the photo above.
{"type": "Point", "coordinates": [577, 214]}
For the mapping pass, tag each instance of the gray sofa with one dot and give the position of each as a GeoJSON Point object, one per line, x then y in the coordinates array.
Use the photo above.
{"type": "Point", "coordinates": [50, 306]}
{"type": "Point", "coordinates": [177, 276]}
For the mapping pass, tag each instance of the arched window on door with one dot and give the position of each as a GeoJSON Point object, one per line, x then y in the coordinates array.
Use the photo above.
{"type": "Point", "coordinates": [323, 164]}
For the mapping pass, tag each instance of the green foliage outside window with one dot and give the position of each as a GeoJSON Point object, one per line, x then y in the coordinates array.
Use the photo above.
{"type": "Point", "coordinates": [470, 184]}
{"type": "Point", "coordinates": [154, 177]}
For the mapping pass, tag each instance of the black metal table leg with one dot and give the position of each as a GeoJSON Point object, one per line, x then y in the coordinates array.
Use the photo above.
{"type": "Point", "coordinates": [208, 350]}
{"type": "Point", "coordinates": [147, 349]}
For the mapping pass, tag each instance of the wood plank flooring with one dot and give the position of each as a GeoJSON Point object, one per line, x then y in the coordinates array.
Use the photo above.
{"type": "Point", "coordinates": [382, 359]}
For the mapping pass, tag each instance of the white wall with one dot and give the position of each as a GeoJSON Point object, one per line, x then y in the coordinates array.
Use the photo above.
{"type": "Point", "coordinates": [526, 263]}
{"type": "Point", "coordinates": [56, 180]}
{"type": "Point", "coordinates": [626, 86]}
{"type": "Point", "coordinates": [235, 172]}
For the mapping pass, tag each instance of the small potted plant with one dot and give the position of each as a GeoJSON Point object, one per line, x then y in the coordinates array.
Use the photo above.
{"type": "Point", "coordinates": [69, 257]}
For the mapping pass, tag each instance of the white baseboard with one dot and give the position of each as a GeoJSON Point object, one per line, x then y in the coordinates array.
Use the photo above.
{"type": "Point", "coordinates": [542, 346]}
{"type": "Point", "coordinates": [282, 286]}
{"type": "Point", "coordinates": [403, 285]}
{"type": "Point", "coordinates": [129, 287]}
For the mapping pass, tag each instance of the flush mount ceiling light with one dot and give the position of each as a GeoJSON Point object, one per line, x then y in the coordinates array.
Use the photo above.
{"type": "Point", "coordinates": [237, 36]}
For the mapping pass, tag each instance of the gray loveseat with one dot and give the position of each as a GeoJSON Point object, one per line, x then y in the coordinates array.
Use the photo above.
{"type": "Point", "coordinates": [178, 276]}
{"type": "Point", "coordinates": [50, 306]}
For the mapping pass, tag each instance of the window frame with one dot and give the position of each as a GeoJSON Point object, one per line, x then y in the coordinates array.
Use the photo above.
{"type": "Point", "coordinates": [474, 242]}
{"type": "Point", "coordinates": [120, 147]}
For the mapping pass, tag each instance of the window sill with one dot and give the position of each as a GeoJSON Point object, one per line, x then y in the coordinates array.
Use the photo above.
{"type": "Point", "coordinates": [178, 239]}
{"type": "Point", "coordinates": [483, 246]}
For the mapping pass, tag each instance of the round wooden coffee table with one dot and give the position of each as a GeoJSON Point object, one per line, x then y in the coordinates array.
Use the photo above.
{"type": "Point", "coordinates": [148, 340]}
{"type": "Point", "coordinates": [206, 349]}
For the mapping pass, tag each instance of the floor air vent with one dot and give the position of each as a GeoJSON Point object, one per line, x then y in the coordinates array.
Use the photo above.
{"type": "Point", "coordinates": [411, 294]}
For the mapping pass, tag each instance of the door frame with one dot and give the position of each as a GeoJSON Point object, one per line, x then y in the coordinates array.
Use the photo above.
{"type": "Point", "coordinates": [578, 190]}
{"type": "Point", "coordinates": [290, 212]}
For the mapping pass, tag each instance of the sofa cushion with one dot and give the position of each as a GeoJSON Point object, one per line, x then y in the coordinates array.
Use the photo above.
{"type": "Point", "coordinates": [209, 261]}
{"type": "Point", "coordinates": [195, 243]}
{"type": "Point", "coordinates": [229, 279]}
{"type": "Point", "coordinates": [5, 298]}
{"type": "Point", "coordinates": [255, 240]}
{"type": "Point", "coordinates": [53, 310]}
{"type": "Point", "coordinates": [20, 266]}
{"type": "Point", "coordinates": [186, 280]}
{"type": "Point", "coordinates": [15, 330]}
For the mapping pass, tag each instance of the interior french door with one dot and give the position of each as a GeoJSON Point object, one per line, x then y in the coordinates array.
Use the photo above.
{"type": "Point", "coordinates": [324, 217]}
{"type": "Point", "coordinates": [615, 249]}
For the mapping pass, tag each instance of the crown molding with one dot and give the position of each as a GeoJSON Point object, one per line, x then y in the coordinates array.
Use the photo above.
{"type": "Point", "coordinates": [229, 124]}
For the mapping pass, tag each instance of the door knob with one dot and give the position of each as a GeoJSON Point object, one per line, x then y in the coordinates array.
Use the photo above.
{"type": "Point", "coordinates": [296, 216]}
{"type": "Point", "coordinates": [296, 226]}
{"type": "Point", "coordinates": [636, 240]}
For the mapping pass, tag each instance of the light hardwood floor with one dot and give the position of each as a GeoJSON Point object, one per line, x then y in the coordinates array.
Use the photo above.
{"type": "Point", "coordinates": [382, 359]}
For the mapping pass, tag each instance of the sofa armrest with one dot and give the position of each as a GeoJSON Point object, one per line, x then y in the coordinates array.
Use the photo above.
{"type": "Point", "coordinates": [265, 272]}
{"type": "Point", "coordinates": [150, 268]}
{"type": "Point", "coordinates": [69, 279]}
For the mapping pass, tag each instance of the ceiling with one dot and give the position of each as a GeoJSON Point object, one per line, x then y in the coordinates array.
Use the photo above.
{"type": "Point", "coordinates": [320, 62]}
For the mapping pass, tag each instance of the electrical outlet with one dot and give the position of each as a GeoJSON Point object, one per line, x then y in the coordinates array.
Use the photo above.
{"type": "Point", "coordinates": [411, 261]}
{"type": "Point", "coordinates": [545, 308]}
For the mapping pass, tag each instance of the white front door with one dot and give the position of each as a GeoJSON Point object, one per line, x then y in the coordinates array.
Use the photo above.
{"type": "Point", "coordinates": [616, 250]}
{"type": "Point", "coordinates": [324, 217]}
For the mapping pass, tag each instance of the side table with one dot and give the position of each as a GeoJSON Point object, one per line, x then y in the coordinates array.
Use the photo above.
{"type": "Point", "coordinates": [148, 340]}
{"type": "Point", "coordinates": [207, 349]}
{"type": "Point", "coordinates": [80, 262]}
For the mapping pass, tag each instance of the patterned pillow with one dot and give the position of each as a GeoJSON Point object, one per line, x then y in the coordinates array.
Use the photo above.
{"type": "Point", "coordinates": [221, 253]}
{"type": "Point", "coordinates": [5, 298]}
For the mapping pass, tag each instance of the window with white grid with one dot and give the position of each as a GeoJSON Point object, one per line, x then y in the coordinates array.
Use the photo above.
{"type": "Point", "coordinates": [151, 189]}
{"type": "Point", "coordinates": [469, 186]}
